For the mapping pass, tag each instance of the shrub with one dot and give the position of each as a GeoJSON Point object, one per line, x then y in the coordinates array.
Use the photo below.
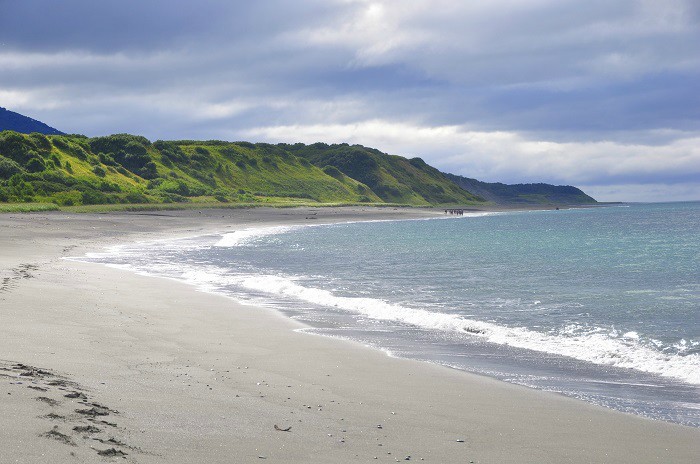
{"type": "Point", "coordinates": [229, 152]}
{"type": "Point", "coordinates": [8, 168]}
{"type": "Point", "coordinates": [129, 151]}
{"type": "Point", "coordinates": [42, 143]}
{"type": "Point", "coordinates": [148, 171]}
{"type": "Point", "coordinates": [113, 143]}
{"type": "Point", "coordinates": [136, 197]}
{"type": "Point", "coordinates": [333, 172]}
{"type": "Point", "coordinates": [35, 165]}
{"type": "Point", "coordinates": [59, 143]}
{"type": "Point", "coordinates": [170, 186]}
{"type": "Point", "coordinates": [173, 198]}
{"type": "Point", "coordinates": [172, 153]}
{"type": "Point", "coordinates": [16, 147]}
{"type": "Point", "coordinates": [78, 151]}
{"type": "Point", "coordinates": [19, 188]}
{"type": "Point", "coordinates": [105, 186]}
{"type": "Point", "coordinates": [107, 159]}
{"type": "Point", "coordinates": [56, 160]}
{"type": "Point", "coordinates": [93, 197]}
{"type": "Point", "coordinates": [71, 148]}
{"type": "Point", "coordinates": [418, 163]}
{"type": "Point", "coordinates": [69, 198]}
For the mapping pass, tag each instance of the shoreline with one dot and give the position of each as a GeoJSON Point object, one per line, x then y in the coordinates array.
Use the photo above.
{"type": "Point", "coordinates": [196, 376]}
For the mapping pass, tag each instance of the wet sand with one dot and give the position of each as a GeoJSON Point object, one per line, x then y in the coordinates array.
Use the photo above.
{"type": "Point", "coordinates": [98, 364]}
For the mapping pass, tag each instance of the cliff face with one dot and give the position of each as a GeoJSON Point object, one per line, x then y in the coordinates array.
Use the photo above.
{"type": "Point", "coordinates": [523, 194]}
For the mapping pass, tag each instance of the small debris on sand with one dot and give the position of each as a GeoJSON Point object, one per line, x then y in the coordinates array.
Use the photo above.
{"type": "Point", "coordinates": [34, 387]}
{"type": "Point", "coordinates": [86, 429]}
{"type": "Point", "coordinates": [94, 411]}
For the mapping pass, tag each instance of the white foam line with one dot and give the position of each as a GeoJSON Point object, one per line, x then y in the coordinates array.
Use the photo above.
{"type": "Point", "coordinates": [593, 345]}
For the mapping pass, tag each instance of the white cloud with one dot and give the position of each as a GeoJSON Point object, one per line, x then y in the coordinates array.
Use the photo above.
{"type": "Point", "coordinates": [38, 61]}
{"type": "Point", "coordinates": [652, 192]}
{"type": "Point", "coordinates": [505, 156]}
{"type": "Point", "coordinates": [514, 42]}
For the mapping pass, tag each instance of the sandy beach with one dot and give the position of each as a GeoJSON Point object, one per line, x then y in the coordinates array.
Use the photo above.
{"type": "Point", "coordinates": [101, 365]}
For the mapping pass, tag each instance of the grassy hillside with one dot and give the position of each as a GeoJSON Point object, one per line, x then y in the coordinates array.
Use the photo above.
{"type": "Point", "coordinates": [523, 194]}
{"type": "Point", "coordinates": [393, 178]}
{"type": "Point", "coordinates": [71, 170]}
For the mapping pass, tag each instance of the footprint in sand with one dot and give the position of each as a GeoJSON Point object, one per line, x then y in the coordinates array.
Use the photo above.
{"type": "Point", "coordinates": [70, 406]}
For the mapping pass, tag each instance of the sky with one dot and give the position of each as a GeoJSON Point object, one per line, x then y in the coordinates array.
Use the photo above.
{"type": "Point", "coordinates": [600, 94]}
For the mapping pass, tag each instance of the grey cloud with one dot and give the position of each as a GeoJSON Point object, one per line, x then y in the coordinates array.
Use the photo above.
{"type": "Point", "coordinates": [110, 26]}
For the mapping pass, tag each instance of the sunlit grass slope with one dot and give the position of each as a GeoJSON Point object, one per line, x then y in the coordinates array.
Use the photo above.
{"type": "Point", "coordinates": [73, 170]}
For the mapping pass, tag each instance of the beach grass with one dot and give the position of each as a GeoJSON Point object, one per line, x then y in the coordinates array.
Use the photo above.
{"type": "Point", "coordinates": [270, 203]}
{"type": "Point", "coordinates": [27, 207]}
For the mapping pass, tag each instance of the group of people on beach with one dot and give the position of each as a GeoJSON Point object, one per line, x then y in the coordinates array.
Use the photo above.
{"type": "Point", "coordinates": [458, 212]}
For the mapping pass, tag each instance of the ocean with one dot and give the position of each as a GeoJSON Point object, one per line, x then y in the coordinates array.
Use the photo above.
{"type": "Point", "coordinates": [600, 304]}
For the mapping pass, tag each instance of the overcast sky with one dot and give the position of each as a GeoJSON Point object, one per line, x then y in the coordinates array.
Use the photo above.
{"type": "Point", "coordinates": [601, 94]}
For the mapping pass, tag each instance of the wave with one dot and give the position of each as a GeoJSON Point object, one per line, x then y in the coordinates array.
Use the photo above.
{"type": "Point", "coordinates": [591, 344]}
{"type": "Point", "coordinates": [596, 345]}
{"type": "Point", "coordinates": [245, 236]}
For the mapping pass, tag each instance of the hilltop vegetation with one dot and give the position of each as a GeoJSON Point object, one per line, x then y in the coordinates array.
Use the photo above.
{"type": "Point", "coordinates": [523, 194]}
{"type": "Point", "coordinates": [392, 178]}
{"type": "Point", "coordinates": [120, 169]}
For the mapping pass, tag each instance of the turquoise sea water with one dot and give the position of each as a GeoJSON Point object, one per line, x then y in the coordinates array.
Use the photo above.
{"type": "Point", "coordinates": [601, 304]}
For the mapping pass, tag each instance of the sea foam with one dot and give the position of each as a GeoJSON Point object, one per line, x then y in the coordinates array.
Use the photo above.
{"type": "Point", "coordinates": [596, 345]}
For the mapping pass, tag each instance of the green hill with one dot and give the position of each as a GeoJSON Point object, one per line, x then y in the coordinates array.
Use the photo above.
{"type": "Point", "coordinates": [119, 169]}
{"type": "Point", "coordinates": [523, 194]}
{"type": "Point", "coordinates": [393, 178]}
{"type": "Point", "coordinates": [9, 120]}
{"type": "Point", "coordinates": [68, 170]}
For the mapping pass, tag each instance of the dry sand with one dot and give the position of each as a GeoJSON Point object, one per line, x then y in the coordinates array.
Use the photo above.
{"type": "Point", "coordinates": [157, 372]}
